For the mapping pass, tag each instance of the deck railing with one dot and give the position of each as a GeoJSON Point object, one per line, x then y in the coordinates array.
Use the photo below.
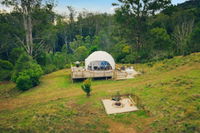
{"type": "Point", "coordinates": [81, 73]}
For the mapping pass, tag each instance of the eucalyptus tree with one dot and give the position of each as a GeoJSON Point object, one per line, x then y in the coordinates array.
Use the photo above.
{"type": "Point", "coordinates": [10, 26]}
{"type": "Point", "coordinates": [184, 24]}
{"type": "Point", "coordinates": [195, 40]}
{"type": "Point", "coordinates": [133, 15]}
{"type": "Point", "coordinates": [26, 8]}
{"type": "Point", "coordinates": [182, 34]}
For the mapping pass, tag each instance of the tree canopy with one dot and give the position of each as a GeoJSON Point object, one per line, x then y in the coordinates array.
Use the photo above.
{"type": "Point", "coordinates": [138, 31]}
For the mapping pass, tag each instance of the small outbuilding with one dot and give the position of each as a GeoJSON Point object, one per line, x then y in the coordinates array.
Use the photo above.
{"type": "Point", "coordinates": [99, 60]}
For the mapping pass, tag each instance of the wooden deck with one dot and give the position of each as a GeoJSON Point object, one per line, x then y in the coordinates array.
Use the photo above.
{"type": "Point", "coordinates": [81, 73]}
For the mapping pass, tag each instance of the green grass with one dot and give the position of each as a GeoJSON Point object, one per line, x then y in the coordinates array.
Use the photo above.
{"type": "Point", "coordinates": [169, 93]}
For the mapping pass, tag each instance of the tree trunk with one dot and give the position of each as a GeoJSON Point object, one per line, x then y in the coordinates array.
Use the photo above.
{"type": "Point", "coordinates": [30, 34]}
{"type": "Point", "coordinates": [26, 29]}
{"type": "Point", "coordinates": [27, 20]}
{"type": "Point", "coordinates": [88, 94]}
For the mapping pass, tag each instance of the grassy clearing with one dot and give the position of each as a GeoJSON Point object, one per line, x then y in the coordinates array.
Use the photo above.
{"type": "Point", "coordinates": [169, 93]}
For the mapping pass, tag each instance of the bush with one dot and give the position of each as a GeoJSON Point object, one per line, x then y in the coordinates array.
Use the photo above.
{"type": "Point", "coordinates": [86, 87]}
{"type": "Point", "coordinates": [49, 68]}
{"type": "Point", "coordinates": [24, 82]}
{"type": "Point", "coordinates": [60, 60]}
{"type": "Point", "coordinates": [68, 66]}
{"type": "Point", "coordinates": [5, 70]}
{"type": "Point", "coordinates": [51, 62]}
{"type": "Point", "coordinates": [23, 63]}
{"type": "Point", "coordinates": [131, 58]}
{"type": "Point", "coordinates": [28, 78]}
{"type": "Point", "coordinates": [35, 72]}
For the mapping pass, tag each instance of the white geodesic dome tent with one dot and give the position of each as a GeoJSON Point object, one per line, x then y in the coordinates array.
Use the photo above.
{"type": "Point", "coordinates": [97, 58]}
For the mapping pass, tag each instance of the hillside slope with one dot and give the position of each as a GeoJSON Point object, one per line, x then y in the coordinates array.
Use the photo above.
{"type": "Point", "coordinates": [169, 93]}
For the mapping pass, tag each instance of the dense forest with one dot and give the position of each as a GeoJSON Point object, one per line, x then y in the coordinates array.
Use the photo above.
{"type": "Point", "coordinates": [34, 40]}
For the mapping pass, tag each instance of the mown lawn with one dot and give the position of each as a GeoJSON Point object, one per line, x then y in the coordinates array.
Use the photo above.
{"type": "Point", "coordinates": [169, 93]}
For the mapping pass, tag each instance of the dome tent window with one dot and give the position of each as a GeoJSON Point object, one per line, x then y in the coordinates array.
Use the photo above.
{"type": "Point", "coordinates": [100, 60]}
{"type": "Point", "coordinates": [99, 65]}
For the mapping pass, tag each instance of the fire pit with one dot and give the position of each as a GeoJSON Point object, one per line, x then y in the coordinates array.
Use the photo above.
{"type": "Point", "coordinates": [122, 106]}
{"type": "Point", "coordinates": [117, 104]}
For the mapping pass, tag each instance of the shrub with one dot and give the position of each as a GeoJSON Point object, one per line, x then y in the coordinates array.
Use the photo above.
{"type": "Point", "coordinates": [131, 58]}
{"type": "Point", "coordinates": [86, 87]}
{"type": "Point", "coordinates": [51, 62]}
{"type": "Point", "coordinates": [5, 70]}
{"type": "Point", "coordinates": [60, 60]}
{"type": "Point", "coordinates": [24, 82]}
{"type": "Point", "coordinates": [28, 78]}
{"type": "Point", "coordinates": [49, 68]}
{"type": "Point", "coordinates": [35, 72]}
{"type": "Point", "coordinates": [68, 66]}
{"type": "Point", "coordinates": [23, 63]}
